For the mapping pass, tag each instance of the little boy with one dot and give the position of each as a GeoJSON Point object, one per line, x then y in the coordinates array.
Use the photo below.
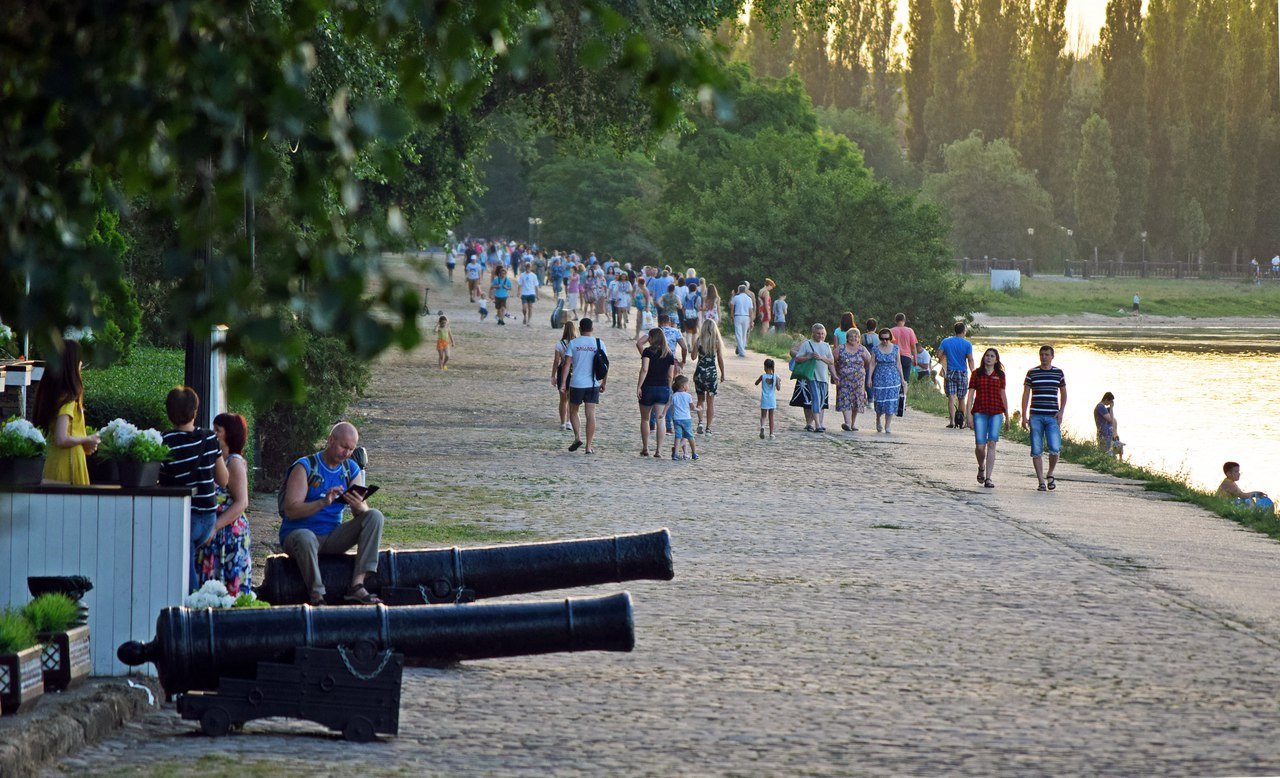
{"type": "Point", "coordinates": [484, 308]}
{"type": "Point", "coordinates": [195, 462]}
{"type": "Point", "coordinates": [682, 418]}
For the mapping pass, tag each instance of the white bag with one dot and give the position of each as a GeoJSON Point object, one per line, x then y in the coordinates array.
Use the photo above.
{"type": "Point", "coordinates": [648, 321]}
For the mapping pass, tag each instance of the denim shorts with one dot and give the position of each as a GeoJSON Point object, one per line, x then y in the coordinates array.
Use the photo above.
{"type": "Point", "coordinates": [654, 395]}
{"type": "Point", "coordinates": [684, 428]}
{"type": "Point", "coordinates": [986, 427]}
{"type": "Point", "coordinates": [1045, 433]}
{"type": "Point", "coordinates": [588, 395]}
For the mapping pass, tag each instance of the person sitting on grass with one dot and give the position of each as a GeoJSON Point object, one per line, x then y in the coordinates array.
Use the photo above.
{"type": "Point", "coordinates": [1230, 489]}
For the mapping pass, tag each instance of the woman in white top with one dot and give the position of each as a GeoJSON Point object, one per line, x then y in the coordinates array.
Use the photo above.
{"type": "Point", "coordinates": [562, 348]}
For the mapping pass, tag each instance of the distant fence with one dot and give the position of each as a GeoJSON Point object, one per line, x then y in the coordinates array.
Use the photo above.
{"type": "Point", "coordinates": [1110, 268]}
{"type": "Point", "coordinates": [987, 264]}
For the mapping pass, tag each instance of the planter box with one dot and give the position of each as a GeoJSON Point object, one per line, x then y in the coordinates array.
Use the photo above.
{"type": "Point", "coordinates": [21, 472]}
{"type": "Point", "coordinates": [103, 471]}
{"type": "Point", "coordinates": [21, 680]}
{"type": "Point", "coordinates": [138, 475]}
{"type": "Point", "coordinates": [66, 660]}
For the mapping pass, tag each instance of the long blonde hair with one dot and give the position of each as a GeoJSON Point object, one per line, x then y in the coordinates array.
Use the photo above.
{"type": "Point", "coordinates": [708, 337]}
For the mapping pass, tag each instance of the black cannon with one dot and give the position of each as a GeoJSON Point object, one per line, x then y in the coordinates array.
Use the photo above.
{"type": "Point", "coordinates": [195, 649]}
{"type": "Point", "coordinates": [461, 575]}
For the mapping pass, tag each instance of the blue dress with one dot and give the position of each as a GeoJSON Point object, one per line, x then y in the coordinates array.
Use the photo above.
{"type": "Point", "coordinates": [886, 382]}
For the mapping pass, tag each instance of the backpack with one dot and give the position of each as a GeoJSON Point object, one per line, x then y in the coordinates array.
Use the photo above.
{"type": "Point", "coordinates": [600, 363]}
{"type": "Point", "coordinates": [311, 463]}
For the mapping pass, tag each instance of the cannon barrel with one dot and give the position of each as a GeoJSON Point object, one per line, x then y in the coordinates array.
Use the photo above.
{"type": "Point", "coordinates": [442, 575]}
{"type": "Point", "coordinates": [194, 648]}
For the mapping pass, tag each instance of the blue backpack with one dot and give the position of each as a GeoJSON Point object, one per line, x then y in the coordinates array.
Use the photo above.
{"type": "Point", "coordinates": [312, 464]}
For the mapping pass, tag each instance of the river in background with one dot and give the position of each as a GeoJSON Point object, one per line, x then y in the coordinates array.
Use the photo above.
{"type": "Point", "coordinates": [1188, 398]}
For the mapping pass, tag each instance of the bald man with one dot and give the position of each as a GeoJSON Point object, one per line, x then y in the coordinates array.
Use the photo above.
{"type": "Point", "coordinates": [317, 491]}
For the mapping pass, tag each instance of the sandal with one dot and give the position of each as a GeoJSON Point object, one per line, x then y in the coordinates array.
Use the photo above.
{"type": "Point", "coordinates": [1053, 483]}
{"type": "Point", "coordinates": [1042, 488]}
{"type": "Point", "coordinates": [316, 602]}
{"type": "Point", "coordinates": [987, 483]}
{"type": "Point", "coordinates": [361, 596]}
{"type": "Point", "coordinates": [981, 476]}
{"type": "Point", "coordinates": [575, 445]}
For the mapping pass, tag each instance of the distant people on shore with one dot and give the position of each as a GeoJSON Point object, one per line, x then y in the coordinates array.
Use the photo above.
{"type": "Point", "coordinates": [1045, 388]}
{"type": "Point", "coordinates": [988, 410]}
{"type": "Point", "coordinates": [1231, 489]}
{"type": "Point", "coordinates": [1104, 419]}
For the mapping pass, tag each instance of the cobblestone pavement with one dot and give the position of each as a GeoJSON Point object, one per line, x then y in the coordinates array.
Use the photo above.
{"type": "Point", "coordinates": [843, 604]}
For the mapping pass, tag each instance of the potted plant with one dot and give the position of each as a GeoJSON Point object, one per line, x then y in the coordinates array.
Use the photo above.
{"type": "Point", "coordinates": [21, 679]}
{"type": "Point", "coordinates": [65, 659]}
{"type": "Point", "coordinates": [22, 449]}
{"type": "Point", "coordinates": [137, 453]}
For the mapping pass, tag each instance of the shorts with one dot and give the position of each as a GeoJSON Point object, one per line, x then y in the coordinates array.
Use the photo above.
{"type": "Point", "coordinates": [654, 395]}
{"type": "Point", "coordinates": [500, 303]}
{"type": "Point", "coordinates": [684, 428]}
{"type": "Point", "coordinates": [1045, 433]}
{"type": "Point", "coordinates": [451, 264]}
{"type": "Point", "coordinates": [957, 383]}
{"type": "Point", "coordinates": [589, 395]}
{"type": "Point", "coordinates": [442, 344]}
{"type": "Point", "coordinates": [528, 298]}
{"type": "Point", "coordinates": [986, 427]}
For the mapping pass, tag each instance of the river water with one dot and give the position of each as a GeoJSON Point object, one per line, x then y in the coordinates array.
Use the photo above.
{"type": "Point", "coordinates": [1188, 397]}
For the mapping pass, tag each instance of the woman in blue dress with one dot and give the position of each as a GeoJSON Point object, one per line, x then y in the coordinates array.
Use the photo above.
{"type": "Point", "coordinates": [887, 382]}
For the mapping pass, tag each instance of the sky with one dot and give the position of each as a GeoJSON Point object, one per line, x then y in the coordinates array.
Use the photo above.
{"type": "Point", "coordinates": [1084, 19]}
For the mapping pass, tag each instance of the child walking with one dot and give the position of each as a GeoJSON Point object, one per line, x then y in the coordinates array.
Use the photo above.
{"type": "Point", "coordinates": [682, 418]}
{"type": "Point", "coordinates": [768, 383]}
{"type": "Point", "coordinates": [444, 339]}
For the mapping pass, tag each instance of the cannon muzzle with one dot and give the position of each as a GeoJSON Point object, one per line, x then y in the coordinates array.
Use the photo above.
{"type": "Point", "coordinates": [193, 649]}
{"type": "Point", "coordinates": [457, 574]}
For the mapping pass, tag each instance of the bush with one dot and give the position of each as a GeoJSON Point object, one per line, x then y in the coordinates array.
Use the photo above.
{"type": "Point", "coordinates": [16, 633]}
{"type": "Point", "coordinates": [51, 613]}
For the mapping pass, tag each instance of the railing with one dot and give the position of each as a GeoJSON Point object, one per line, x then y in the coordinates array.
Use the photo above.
{"type": "Point", "coordinates": [987, 264]}
{"type": "Point", "coordinates": [1110, 268]}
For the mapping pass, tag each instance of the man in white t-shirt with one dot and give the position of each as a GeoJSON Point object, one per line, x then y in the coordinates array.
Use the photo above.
{"type": "Point", "coordinates": [474, 269]}
{"type": "Point", "coordinates": [743, 306]}
{"type": "Point", "coordinates": [577, 376]}
{"type": "Point", "coordinates": [528, 281]}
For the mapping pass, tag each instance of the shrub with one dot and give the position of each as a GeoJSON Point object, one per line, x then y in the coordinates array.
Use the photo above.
{"type": "Point", "coordinates": [16, 633]}
{"type": "Point", "coordinates": [51, 613]}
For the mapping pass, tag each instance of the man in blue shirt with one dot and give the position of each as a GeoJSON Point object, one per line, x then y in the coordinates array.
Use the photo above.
{"type": "Point", "coordinates": [956, 353]}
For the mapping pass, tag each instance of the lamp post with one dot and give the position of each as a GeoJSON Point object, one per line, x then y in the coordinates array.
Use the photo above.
{"type": "Point", "coordinates": [1144, 245]}
{"type": "Point", "coordinates": [534, 223]}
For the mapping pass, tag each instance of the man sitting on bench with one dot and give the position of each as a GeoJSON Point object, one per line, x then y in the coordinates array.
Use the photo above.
{"type": "Point", "coordinates": [317, 490]}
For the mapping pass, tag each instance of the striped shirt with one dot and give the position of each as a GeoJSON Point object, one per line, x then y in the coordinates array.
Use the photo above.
{"type": "Point", "coordinates": [1044, 390]}
{"type": "Point", "coordinates": [192, 458]}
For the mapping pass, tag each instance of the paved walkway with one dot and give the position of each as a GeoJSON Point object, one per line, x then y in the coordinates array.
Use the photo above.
{"type": "Point", "coordinates": [843, 604]}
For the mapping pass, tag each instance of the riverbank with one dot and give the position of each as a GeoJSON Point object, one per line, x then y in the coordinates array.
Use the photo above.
{"type": "Point", "coordinates": [1127, 321]}
{"type": "Point", "coordinates": [1113, 297]}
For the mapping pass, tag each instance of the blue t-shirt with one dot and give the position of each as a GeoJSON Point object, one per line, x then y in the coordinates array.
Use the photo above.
{"type": "Point", "coordinates": [672, 334]}
{"type": "Point", "coordinates": [658, 286]}
{"type": "Point", "coordinates": [319, 481]}
{"type": "Point", "coordinates": [957, 351]}
{"type": "Point", "coordinates": [501, 287]}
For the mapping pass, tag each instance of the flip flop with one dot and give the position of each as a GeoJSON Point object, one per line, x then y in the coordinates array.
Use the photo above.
{"type": "Point", "coordinates": [1053, 483]}
{"type": "Point", "coordinates": [575, 445]}
{"type": "Point", "coordinates": [1042, 488]}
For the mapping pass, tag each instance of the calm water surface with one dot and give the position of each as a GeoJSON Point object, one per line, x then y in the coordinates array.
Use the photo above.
{"type": "Point", "coordinates": [1187, 398]}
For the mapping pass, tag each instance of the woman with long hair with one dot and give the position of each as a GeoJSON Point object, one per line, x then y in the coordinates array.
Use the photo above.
{"type": "Point", "coordinates": [226, 556]}
{"type": "Point", "coordinates": [562, 349]}
{"type": "Point", "coordinates": [708, 354]}
{"type": "Point", "coordinates": [711, 304]}
{"type": "Point", "coordinates": [59, 412]}
{"type": "Point", "coordinates": [847, 323]}
{"type": "Point", "coordinates": [653, 388]}
{"type": "Point", "coordinates": [988, 409]}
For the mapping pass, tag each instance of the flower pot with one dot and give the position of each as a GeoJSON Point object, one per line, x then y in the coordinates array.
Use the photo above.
{"type": "Point", "coordinates": [21, 472]}
{"type": "Point", "coordinates": [65, 660]}
{"type": "Point", "coordinates": [102, 471]}
{"type": "Point", "coordinates": [21, 680]}
{"type": "Point", "coordinates": [135, 474]}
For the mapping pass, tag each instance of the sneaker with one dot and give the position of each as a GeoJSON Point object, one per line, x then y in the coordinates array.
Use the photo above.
{"type": "Point", "coordinates": [707, 430]}
{"type": "Point", "coordinates": [762, 433]}
{"type": "Point", "coordinates": [695, 457]}
{"type": "Point", "coordinates": [699, 428]}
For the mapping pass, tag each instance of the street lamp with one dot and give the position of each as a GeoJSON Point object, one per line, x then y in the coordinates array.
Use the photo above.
{"type": "Point", "coordinates": [1144, 245]}
{"type": "Point", "coordinates": [534, 222]}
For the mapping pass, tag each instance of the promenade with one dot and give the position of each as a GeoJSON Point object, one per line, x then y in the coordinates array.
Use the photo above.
{"type": "Point", "coordinates": [844, 604]}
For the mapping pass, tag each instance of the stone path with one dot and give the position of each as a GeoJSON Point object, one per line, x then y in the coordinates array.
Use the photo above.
{"type": "Point", "coordinates": [843, 604]}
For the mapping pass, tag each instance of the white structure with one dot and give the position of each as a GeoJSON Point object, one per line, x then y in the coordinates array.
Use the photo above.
{"type": "Point", "coordinates": [1002, 280]}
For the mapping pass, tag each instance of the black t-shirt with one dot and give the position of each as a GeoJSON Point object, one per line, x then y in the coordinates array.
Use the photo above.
{"type": "Point", "coordinates": [194, 454]}
{"type": "Point", "coordinates": [659, 367]}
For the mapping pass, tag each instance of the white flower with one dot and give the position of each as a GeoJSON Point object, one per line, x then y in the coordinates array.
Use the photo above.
{"type": "Point", "coordinates": [119, 434]}
{"type": "Point", "coordinates": [212, 595]}
{"type": "Point", "coordinates": [5, 332]}
{"type": "Point", "coordinates": [152, 435]}
{"type": "Point", "coordinates": [24, 429]}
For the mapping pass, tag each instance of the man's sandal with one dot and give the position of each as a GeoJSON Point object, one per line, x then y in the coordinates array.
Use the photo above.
{"type": "Point", "coordinates": [361, 596]}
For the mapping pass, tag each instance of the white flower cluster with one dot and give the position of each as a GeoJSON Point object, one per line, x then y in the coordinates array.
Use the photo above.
{"type": "Point", "coordinates": [6, 332]}
{"type": "Point", "coordinates": [212, 595]}
{"type": "Point", "coordinates": [78, 333]}
{"type": "Point", "coordinates": [24, 429]}
{"type": "Point", "coordinates": [152, 435]}
{"type": "Point", "coordinates": [118, 435]}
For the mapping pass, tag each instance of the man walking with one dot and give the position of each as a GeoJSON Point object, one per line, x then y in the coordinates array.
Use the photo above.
{"type": "Point", "coordinates": [743, 306]}
{"type": "Point", "coordinates": [1046, 389]}
{"type": "Point", "coordinates": [577, 376]}
{"type": "Point", "coordinates": [906, 339]}
{"type": "Point", "coordinates": [528, 293]}
{"type": "Point", "coordinates": [956, 353]}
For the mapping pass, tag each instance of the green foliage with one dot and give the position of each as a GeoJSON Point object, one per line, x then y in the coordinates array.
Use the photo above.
{"type": "Point", "coordinates": [590, 203]}
{"type": "Point", "coordinates": [135, 392]}
{"type": "Point", "coordinates": [249, 600]}
{"type": "Point", "coordinates": [51, 613]}
{"type": "Point", "coordinates": [119, 319]}
{"type": "Point", "coordinates": [1124, 106]}
{"type": "Point", "coordinates": [16, 633]}
{"type": "Point", "coordinates": [990, 199]}
{"type": "Point", "coordinates": [19, 439]}
{"type": "Point", "coordinates": [877, 141]}
{"type": "Point", "coordinates": [1097, 193]}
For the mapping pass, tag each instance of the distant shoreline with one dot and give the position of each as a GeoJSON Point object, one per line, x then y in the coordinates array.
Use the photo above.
{"type": "Point", "coordinates": [1138, 321]}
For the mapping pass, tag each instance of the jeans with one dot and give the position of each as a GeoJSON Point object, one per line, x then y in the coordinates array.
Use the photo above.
{"type": "Point", "coordinates": [986, 427]}
{"type": "Point", "coordinates": [201, 530]}
{"type": "Point", "coordinates": [740, 326]}
{"type": "Point", "coordinates": [1045, 433]}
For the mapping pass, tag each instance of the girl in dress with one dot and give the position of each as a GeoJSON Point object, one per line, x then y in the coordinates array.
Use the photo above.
{"type": "Point", "coordinates": [573, 288]}
{"type": "Point", "coordinates": [768, 383]}
{"type": "Point", "coordinates": [59, 413]}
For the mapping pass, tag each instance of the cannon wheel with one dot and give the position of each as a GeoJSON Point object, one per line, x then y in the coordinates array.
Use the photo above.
{"type": "Point", "coordinates": [215, 722]}
{"type": "Point", "coordinates": [358, 730]}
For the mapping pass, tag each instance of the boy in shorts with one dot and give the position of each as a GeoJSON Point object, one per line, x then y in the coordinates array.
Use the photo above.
{"type": "Point", "coordinates": [682, 418]}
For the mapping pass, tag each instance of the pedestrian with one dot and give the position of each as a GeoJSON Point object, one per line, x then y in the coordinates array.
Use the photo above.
{"type": "Point", "coordinates": [815, 350]}
{"type": "Point", "coordinates": [780, 313]}
{"type": "Point", "coordinates": [444, 340]}
{"type": "Point", "coordinates": [853, 366]}
{"type": "Point", "coordinates": [681, 403]}
{"type": "Point", "coordinates": [1104, 419]}
{"type": "Point", "coordinates": [1137, 301]}
{"type": "Point", "coordinates": [743, 306]}
{"type": "Point", "coordinates": [653, 387]}
{"type": "Point", "coordinates": [640, 296]}
{"type": "Point", "coordinates": [622, 300]}
{"type": "Point", "coordinates": [906, 339]}
{"type": "Point", "coordinates": [765, 305]}
{"type": "Point", "coordinates": [1046, 390]}
{"type": "Point", "coordinates": [573, 291]}
{"type": "Point", "coordinates": [473, 270]}
{"type": "Point", "coordinates": [227, 556]}
{"type": "Point", "coordinates": [988, 409]}
{"type": "Point", "coordinates": [578, 375]}
{"type": "Point", "coordinates": [956, 353]}
{"type": "Point", "coordinates": [59, 414]}
{"type": "Point", "coordinates": [870, 336]}
{"type": "Point", "coordinates": [500, 286]}
{"type": "Point", "coordinates": [569, 332]}
{"type": "Point", "coordinates": [483, 309]}
{"type": "Point", "coordinates": [692, 304]}
{"type": "Point", "coordinates": [195, 464]}
{"type": "Point", "coordinates": [708, 359]}
{"type": "Point", "coordinates": [529, 284]}
{"type": "Point", "coordinates": [711, 304]}
{"type": "Point", "coordinates": [846, 324]}
{"type": "Point", "coordinates": [450, 262]}
{"type": "Point", "coordinates": [555, 266]}
{"type": "Point", "coordinates": [768, 383]}
{"type": "Point", "coordinates": [887, 379]}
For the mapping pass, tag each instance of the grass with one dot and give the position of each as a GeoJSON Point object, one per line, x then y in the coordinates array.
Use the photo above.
{"type": "Point", "coordinates": [1114, 297]}
{"type": "Point", "coordinates": [422, 511]}
{"type": "Point", "coordinates": [924, 397]}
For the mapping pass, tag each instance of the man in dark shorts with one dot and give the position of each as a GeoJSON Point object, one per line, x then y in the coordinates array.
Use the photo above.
{"type": "Point", "coordinates": [577, 375]}
{"type": "Point", "coordinates": [1046, 389]}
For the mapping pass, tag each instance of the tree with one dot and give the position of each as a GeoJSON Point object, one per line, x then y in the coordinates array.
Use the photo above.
{"type": "Point", "coordinates": [882, 46]}
{"type": "Point", "coordinates": [1166, 55]}
{"type": "Point", "coordinates": [1043, 92]}
{"type": "Point", "coordinates": [769, 51]}
{"type": "Point", "coordinates": [995, 54]}
{"type": "Point", "coordinates": [1097, 194]}
{"type": "Point", "coordinates": [1124, 106]}
{"type": "Point", "coordinates": [1247, 112]}
{"type": "Point", "coordinates": [918, 80]}
{"type": "Point", "coordinates": [1195, 231]}
{"type": "Point", "coordinates": [989, 197]}
{"type": "Point", "coordinates": [945, 111]}
{"type": "Point", "coordinates": [584, 203]}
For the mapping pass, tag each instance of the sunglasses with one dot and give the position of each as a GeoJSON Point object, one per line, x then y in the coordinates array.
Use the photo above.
{"type": "Point", "coordinates": [885, 339]}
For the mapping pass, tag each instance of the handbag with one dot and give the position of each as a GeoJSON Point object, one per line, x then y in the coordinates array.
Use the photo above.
{"type": "Point", "coordinates": [805, 371]}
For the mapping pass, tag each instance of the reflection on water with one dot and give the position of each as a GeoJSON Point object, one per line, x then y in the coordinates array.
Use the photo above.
{"type": "Point", "coordinates": [1187, 400]}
